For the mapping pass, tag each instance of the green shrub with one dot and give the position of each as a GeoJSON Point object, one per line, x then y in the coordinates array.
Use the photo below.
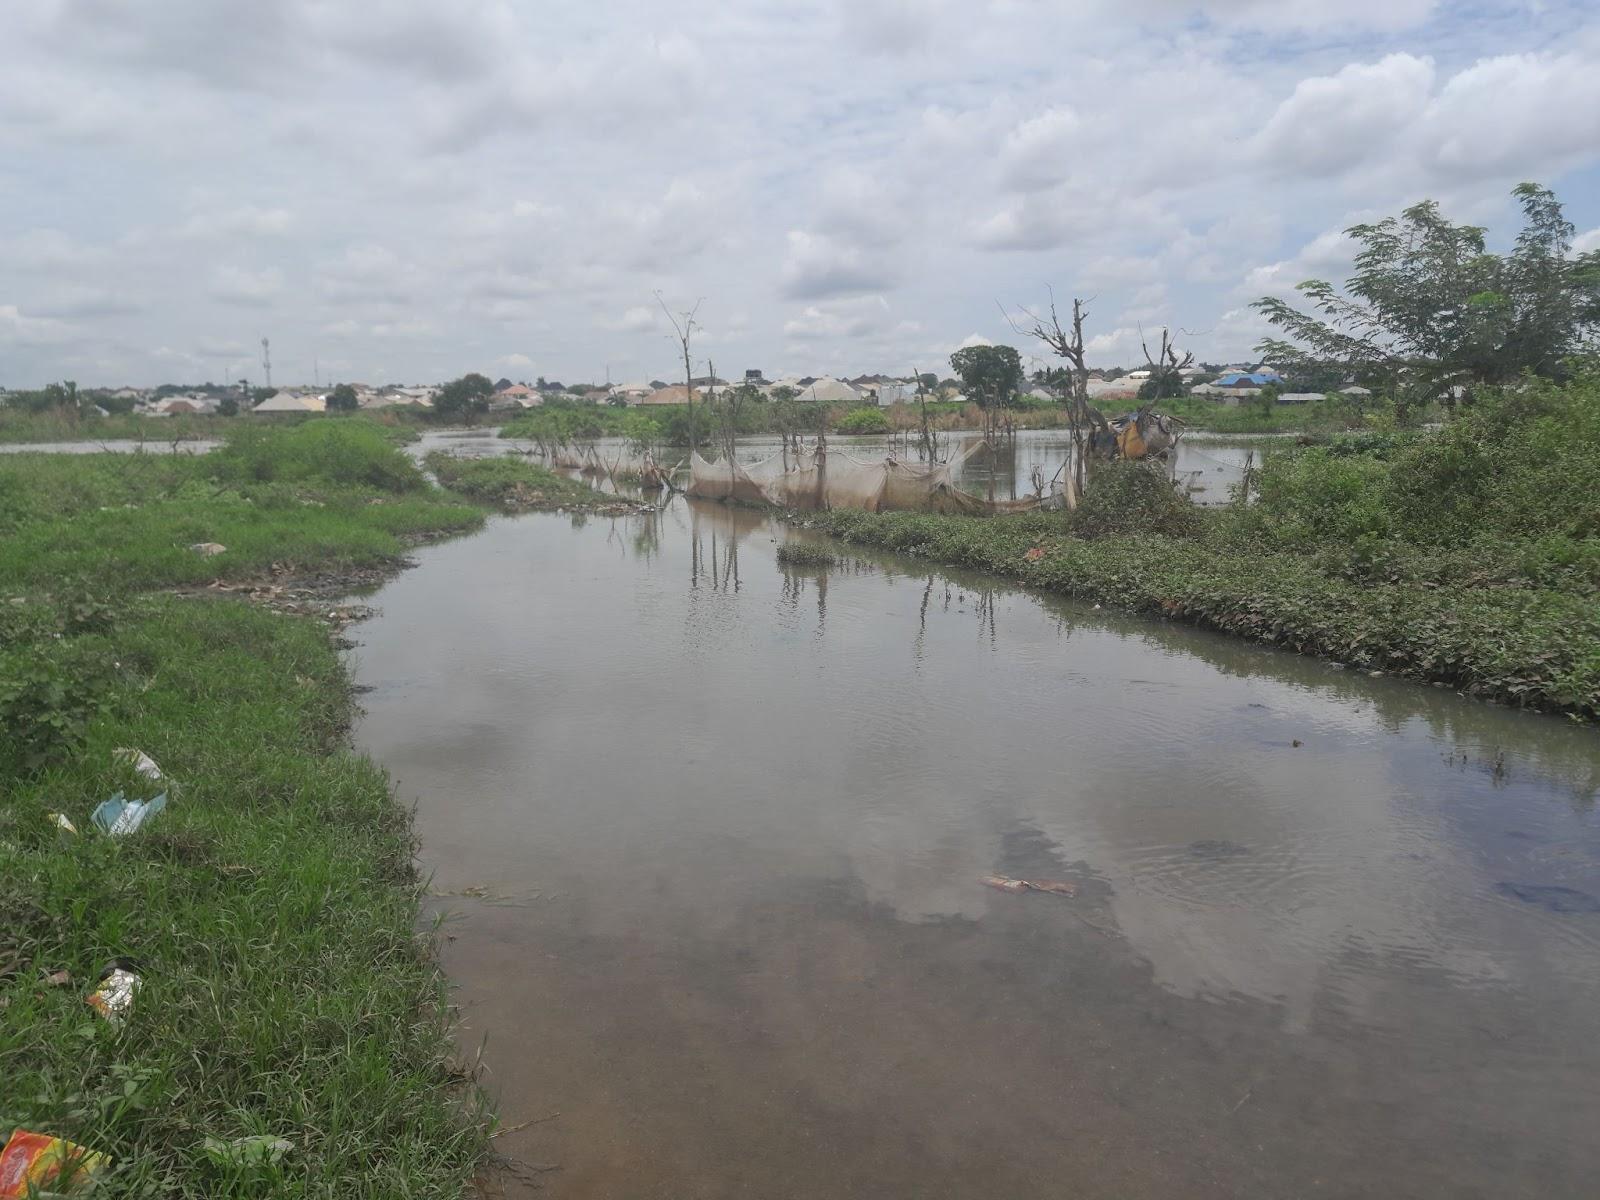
{"type": "Point", "coordinates": [1307, 496]}
{"type": "Point", "coordinates": [809, 555]}
{"type": "Point", "coordinates": [348, 452]}
{"type": "Point", "coordinates": [863, 420]}
{"type": "Point", "coordinates": [1133, 497]}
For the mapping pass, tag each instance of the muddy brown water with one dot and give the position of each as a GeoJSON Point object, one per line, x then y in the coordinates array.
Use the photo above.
{"type": "Point", "coordinates": [715, 832]}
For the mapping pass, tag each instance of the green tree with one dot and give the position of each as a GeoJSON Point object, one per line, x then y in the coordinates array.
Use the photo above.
{"type": "Point", "coordinates": [990, 375]}
{"type": "Point", "coordinates": [343, 399]}
{"type": "Point", "coordinates": [464, 398]}
{"type": "Point", "coordinates": [1429, 308]}
{"type": "Point", "coordinates": [228, 406]}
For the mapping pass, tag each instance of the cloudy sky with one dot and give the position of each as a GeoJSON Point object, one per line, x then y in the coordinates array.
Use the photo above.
{"type": "Point", "coordinates": [404, 190]}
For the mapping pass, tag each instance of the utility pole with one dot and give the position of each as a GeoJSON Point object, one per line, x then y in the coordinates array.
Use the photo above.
{"type": "Point", "coordinates": [266, 360]}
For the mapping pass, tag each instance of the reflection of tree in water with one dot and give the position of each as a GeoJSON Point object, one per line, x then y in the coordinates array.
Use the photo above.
{"type": "Point", "coordinates": [647, 534]}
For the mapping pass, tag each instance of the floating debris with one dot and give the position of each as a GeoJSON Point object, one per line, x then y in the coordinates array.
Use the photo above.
{"type": "Point", "coordinates": [37, 1164]}
{"type": "Point", "coordinates": [1056, 887]}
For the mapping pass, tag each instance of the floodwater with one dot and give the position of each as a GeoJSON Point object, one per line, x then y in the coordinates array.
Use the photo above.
{"type": "Point", "coordinates": [1207, 466]}
{"type": "Point", "coordinates": [710, 835]}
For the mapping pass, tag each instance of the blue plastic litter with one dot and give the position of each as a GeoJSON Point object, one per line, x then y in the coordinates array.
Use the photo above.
{"type": "Point", "coordinates": [118, 815]}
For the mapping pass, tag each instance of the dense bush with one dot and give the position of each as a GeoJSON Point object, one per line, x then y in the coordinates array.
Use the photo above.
{"type": "Point", "coordinates": [1133, 497]}
{"type": "Point", "coordinates": [863, 420]}
{"type": "Point", "coordinates": [348, 452]}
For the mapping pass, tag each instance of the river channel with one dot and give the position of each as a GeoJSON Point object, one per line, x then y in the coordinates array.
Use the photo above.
{"type": "Point", "coordinates": [708, 837]}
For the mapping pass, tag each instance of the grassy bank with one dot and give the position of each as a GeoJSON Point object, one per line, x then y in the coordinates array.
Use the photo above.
{"type": "Point", "coordinates": [511, 483]}
{"type": "Point", "coordinates": [1469, 556]}
{"type": "Point", "coordinates": [20, 427]}
{"type": "Point", "coordinates": [271, 907]}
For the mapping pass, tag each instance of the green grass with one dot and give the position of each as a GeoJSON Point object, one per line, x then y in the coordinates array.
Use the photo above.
{"type": "Point", "coordinates": [310, 496]}
{"type": "Point", "coordinates": [1533, 646]}
{"type": "Point", "coordinates": [272, 907]}
{"type": "Point", "coordinates": [19, 426]}
{"type": "Point", "coordinates": [809, 555]}
{"type": "Point", "coordinates": [511, 483]}
{"type": "Point", "coordinates": [1467, 555]}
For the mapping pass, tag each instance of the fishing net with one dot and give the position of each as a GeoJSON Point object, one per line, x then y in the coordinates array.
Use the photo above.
{"type": "Point", "coordinates": [819, 478]}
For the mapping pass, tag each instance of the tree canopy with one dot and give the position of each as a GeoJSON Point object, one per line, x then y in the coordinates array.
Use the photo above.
{"type": "Point", "coordinates": [1430, 308]}
{"type": "Point", "coordinates": [464, 397]}
{"type": "Point", "coordinates": [343, 399]}
{"type": "Point", "coordinates": [988, 374]}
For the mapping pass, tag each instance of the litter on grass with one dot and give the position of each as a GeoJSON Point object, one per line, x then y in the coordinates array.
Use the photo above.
{"type": "Point", "coordinates": [60, 821]}
{"type": "Point", "coordinates": [119, 816]}
{"type": "Point", "coordinates": [1056, 887]}
{"type": "Point", "coordinates": [208, 549]}
{"type": "Point", "coordinates": [114, 997]}
{"type": "Point", "coordinates": [256, 1150]}
{"type": "Point", "coordinates": [141, 762]}
{"type": "Point", "coordinates": [36, 1164]}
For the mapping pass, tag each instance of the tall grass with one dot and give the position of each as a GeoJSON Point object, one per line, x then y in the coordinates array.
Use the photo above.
{"type": "Point", "coordinates": [270, 910]}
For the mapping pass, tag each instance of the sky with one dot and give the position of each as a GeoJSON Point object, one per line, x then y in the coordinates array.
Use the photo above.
{"type": "Point", "coordinates": [404, 190]}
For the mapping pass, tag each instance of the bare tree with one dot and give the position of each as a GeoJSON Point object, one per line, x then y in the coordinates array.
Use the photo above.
{"type": "Point", "coordinates": [930, 439]}
{"type": "Point", "coordinates": [1165, 367]}
{"type": "Point", "coordinates": [684, 325]}
{"type": "Point", "coordinates": [1082, 420]}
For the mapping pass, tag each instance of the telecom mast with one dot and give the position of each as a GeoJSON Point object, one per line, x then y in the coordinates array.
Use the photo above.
{"type": "Point", "coordinates": [266, 360]}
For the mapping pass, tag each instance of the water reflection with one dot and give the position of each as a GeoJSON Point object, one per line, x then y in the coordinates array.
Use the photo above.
{"type": "Point", "coordinates": [753, 804]}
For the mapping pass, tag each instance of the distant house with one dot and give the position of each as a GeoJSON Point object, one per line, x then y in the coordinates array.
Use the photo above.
{"type": "Point", "coordinates": [1039, 393]}
{"type": "Point", "coordinates": [672, 394]}
{"type": "Point", "coordinates": [1112, 389]}
{"type": "Point", "coordinates": [1355, 390]}
{"type": "Point", "coordinates": [1226, 395]}
{"type": "Point", "coordinates": [517, 395]}
{"type": "Point", "coordinates": [289, 402]}
{"type": "Point", "coordinates": [829, 391]}
{"type": "Point", "coordinates": [895, 391]}
{"type": "Point", "coordinates": [631, 393]}
{"type": "Point", "coordinates": [1253, 379]}
{"type": "Point", "coordinates": [1299, 397]}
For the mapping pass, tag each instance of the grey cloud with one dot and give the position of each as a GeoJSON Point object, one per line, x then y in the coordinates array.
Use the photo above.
{"type": "Point", "coordinates": [817, 266]}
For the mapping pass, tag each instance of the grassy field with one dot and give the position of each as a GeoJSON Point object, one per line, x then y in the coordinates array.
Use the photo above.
{"type": "Point", "coordinates": [511, 483]}
{"type": "Point", "coordinates": [271, 907]}
{"type": "Point", "coordinates": [1468, 556]}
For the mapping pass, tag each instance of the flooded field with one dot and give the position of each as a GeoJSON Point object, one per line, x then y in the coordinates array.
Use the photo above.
{"type": "Point", "coordinates": [1207, 465]}
{"type": "Point", "coordinates": [710, 836]}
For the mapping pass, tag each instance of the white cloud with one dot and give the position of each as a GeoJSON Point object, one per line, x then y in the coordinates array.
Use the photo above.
{"type": "Point", "coordinates": [18, 328]}
{"type": "Point", "coordinates": [247, 220]}
{"type": "Point", "coordinates": [239, 285]}
{"type": "Point", "coordinates": [1039, 151]}
{"type": "Point", "coordinates": [1331, 123]}
{"type": "Point", "coordinates": [818, 265]}
{"type": "Point", "coordinates": [1518, 113]}
{"type": "Point", "coordinates": [1585, 242]}
{"type": "Point", "coordinates": [850, 186]}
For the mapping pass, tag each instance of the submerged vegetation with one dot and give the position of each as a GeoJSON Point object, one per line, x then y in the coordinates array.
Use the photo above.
{"type": "Point", "coordinates": [806, 555]}
{"type": "Point", "coordinates": [510, 483]}
{"type": "Point", "coordinates": [1467, 555]}
{"type": "Point", "coordinates": [270, 909]}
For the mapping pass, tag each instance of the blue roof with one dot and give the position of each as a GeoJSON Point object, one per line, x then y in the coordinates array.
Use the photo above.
{"type": "Point", "coordinates": [1257, 378]}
